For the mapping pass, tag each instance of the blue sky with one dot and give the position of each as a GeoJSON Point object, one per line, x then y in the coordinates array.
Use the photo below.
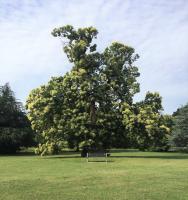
{"type": "Point", "coordinates": [157, 29]}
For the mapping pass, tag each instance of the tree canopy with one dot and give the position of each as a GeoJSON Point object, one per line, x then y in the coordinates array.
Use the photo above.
{"type": "Point", "coordinates": [146, 124]}
{"type": "Point", "coordinates": [180, 129]}
{"type": "Point", "coordinates": [87, 106]}
{"type": "Point", "coordinates": [15, 130]}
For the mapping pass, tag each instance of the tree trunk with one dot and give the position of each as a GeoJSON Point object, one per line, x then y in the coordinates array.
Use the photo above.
{"type": "Point", "coordinates": [92, 112]}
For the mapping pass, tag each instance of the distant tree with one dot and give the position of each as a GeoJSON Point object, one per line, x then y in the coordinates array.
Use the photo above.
{"type": "Point", "coordinates": [180, 129]}
{"type": "Point", "coordinates": [147, 127]}
{"type": "Point", "coordinates": [15, 128]}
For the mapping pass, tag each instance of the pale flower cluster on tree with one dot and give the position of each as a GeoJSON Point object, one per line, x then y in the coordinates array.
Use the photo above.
{"type": "Point", "coordinates": [92, 105]}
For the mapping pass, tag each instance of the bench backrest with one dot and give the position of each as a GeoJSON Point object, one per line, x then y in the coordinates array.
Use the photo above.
{"type": "Point", "coordinates": [96, 154]}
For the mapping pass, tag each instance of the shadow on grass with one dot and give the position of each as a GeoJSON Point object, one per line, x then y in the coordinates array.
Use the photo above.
{"type": "Point", "coordinates": [179, 157]}
{"type": "Point", "coordinates": [133, 156]}
{"type": "Point", "coordinates": [19, 154]}
{"type": "Point", "coordinates": [123, 150]}
{"type": "Point", "coordinates": [60, 156]}
{"type": "Point", "coordinates": [76, 155]}
{"type": "Point", "coordinates": [157, 157]}
{"type": "Point", "coordinates": [65, 154]}
{"type": "Point", "coordinates": [146, 155]}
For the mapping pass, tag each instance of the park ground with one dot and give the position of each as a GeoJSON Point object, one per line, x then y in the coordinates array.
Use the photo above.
{"type": "Point", "coordinates": [129, 175]}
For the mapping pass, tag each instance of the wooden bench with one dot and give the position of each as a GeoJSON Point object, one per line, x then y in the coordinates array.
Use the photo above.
{"type": "Point", "coordinates": [98, 155]}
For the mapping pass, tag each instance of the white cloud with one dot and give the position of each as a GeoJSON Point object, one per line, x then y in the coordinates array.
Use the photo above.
{"type": "Point", "coordinates": [157, 29]}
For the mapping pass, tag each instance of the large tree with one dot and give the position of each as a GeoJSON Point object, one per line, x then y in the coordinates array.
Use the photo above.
{"type": "Point", "coordinates": [83, 106]}
{"type": "Point", "coordinates": [15, 130]}
{"type": "Point", "coordinates": [92, 105]}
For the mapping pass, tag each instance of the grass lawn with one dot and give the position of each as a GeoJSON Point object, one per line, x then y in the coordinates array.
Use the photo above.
{"type": "Point", "coordinates": [129, 175]}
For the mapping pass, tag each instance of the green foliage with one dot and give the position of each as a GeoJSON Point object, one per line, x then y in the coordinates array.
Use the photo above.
{"type": "Point", "coordinates": [180, 129]}
{"type": "Point", "coordinates": [83, 107]}
{"type": "Point", "coordinates": [145, 123]}
{"type": "Point", "coordinates": [15, 128]}
{"type": "Point", "coordinates": [87, 106]}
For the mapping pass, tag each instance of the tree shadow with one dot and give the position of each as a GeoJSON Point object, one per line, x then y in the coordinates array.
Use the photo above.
{"type": "Point", "coordinates": [77, 155]}
{"type": "Point", "coordinates": [60, 156]}
{"type": "Point", "coordinates": [19, 154]}
{"type": "Point", "coordinates": [123, 150]}
{"type": "Point", "coordinates": [179, 157]}
{"type": "Point", "coordinates": [162, 155]}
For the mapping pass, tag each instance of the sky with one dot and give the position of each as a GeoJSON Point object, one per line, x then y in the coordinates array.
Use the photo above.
{"type": "Point", "coordinates": [157, 29]}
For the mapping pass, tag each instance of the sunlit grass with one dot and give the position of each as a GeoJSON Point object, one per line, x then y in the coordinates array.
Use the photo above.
{"type": "Point", "coordinates": [129, 175]}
